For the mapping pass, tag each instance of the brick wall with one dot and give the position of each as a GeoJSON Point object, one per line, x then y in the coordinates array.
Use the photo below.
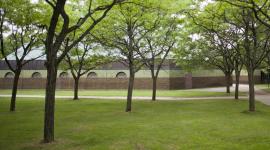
{"type": "Point", "coordinates": [100, 83]}
{"type": "Point", "coordinates": [244, 79]}
{"type": "Point", "coordinates": [186, 82]}
{"type": "Point", "coordinates": [200, 82]}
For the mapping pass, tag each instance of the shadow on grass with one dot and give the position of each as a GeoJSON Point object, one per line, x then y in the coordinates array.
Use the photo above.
{"type": "Point", "coordinates": [253, 113]}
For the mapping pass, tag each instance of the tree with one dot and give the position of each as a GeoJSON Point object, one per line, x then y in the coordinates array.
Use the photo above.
{"type": "Point", "coordinates": [228, 43]}
{"type": "Point", "coordinates": [212, 42]}
{"type": "Point", "coordinates": [22, 35]}
{"type": "Point", "coordinates": [60, 28]}
{"type": "Point", "coordinates": [254, 38]}
{"type": "Point", "coordinates": [255, 43]}
{"type": "Point", "coordinates": [82, 59]}
{"type": "Point", "coordinates": [158, 42]}
{"type": "Point", "coordinates": [126, 36]}
{"type": "Point", "coordinates": [261, 11]}
{"type": "Point", "coordinates": [221, 56]}
{"type": "Point", "coordinates": [256, 48]}
{"type": "Point", "coordinates": [235, 43]}
{"type": "Point", "coordinates": [259, 8]}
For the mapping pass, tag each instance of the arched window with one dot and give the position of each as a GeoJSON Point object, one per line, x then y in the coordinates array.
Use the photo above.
{"type": "Point", "coordinates": [92, 75]}
{"type": "Point", "coordinates": [9, 75]}
{"type": "Point", "coordinates": [36, 75]}
{"type": "Point", "coordinates": [121, 75]}
{"type": "Point", "coordinates": [63, 75]}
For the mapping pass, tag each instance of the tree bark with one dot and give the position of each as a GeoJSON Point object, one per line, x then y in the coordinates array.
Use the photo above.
{"type": "Point", "coordinates": [76, 87]}
{"type": "Point", "coordinates": [251, 90]}
{"type": "Point", "coordinates": [237, 81]}
{"type": "Point", "coordinates": [154, 88]}
{"type": "Point", "coordinates": [50, 102]}
{"type": "Point", "coordinates": [14, 90]}
{"type": "Point", "coordinates": [228, 82]}
{"type": "Point", "coordinates": [130, 91]}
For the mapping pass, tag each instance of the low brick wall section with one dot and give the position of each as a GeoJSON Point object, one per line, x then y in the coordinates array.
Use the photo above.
{"type": "Point", "coordinates": [201, 82]}
{"type": "Point", "coordinates": [244, 79]}
{"type": "Point", "coordinates": [100, 83]}
{"type": "Point", "coordinates": [114, 83]}
{"type": "Point", "coordinates": [24, 83]}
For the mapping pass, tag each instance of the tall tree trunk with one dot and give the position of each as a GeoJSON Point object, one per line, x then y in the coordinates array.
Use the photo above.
{"type": "Point", "coordinates": [237, 81]}
{"type": "Point", "coordinates": [50, 102]}
{"type": "Point", "coordinates": [228, 77]}
{"type": "Point", "coordinates": [154, 88]}
{"type": "Point", "coordinates": [14, 90]}
{"type": "Point", "coordinates": [130, 91]}
{"type": "Point", "coordinates": [76, 87]}
{"type": "Point", "coordinates": [251, 90]}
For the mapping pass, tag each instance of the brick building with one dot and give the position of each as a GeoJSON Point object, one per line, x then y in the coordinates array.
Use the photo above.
{"type": "Point", "coordinates": [114, 76]}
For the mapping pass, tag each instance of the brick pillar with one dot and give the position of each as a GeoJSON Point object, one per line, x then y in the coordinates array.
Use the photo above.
{"type": "Point", "coordinates": [188, 81]}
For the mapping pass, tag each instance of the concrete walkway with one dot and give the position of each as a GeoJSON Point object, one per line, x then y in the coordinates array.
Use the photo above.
{"type": "Point", "coordinates": [242, 88]}
{"type": "Point", "coordinates": [134, 97]}
{"type": "Point", "coordinates": [261, 95]}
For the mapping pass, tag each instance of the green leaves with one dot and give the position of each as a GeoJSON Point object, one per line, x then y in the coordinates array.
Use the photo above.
{"type": "Point", "coordinates": [22, 12]}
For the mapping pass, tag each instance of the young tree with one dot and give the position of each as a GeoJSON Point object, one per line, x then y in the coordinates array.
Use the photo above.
{"type": "Point", "coordinates": [227, 42]}
{"type": "Point", "coordinates": [238, 66]}
{"type": "Point", "coordinates": [22, 36]}
{"type": "Point", "coordinates": [82, 59]}
{"type": "Point", "coordinates": [253, 39]}
{"type": "Point", "coordinates": [126, 37]}
{"type": "Point", "coordinates": [259, 8]}
{"type": "Point", "coordinates": [261, 11]}
{"type": "Point", "coordinates": [213, 43]}
{"type": "Point", "coordinates": [255, 44]}
{"type": "Point", "coordinates": [234, 39]}
{"type": "Point", "coordinates": [256, 48]}
{"type": "Point", "coordinates": [212, 20]}
{"type": "Point", "coordinates": [60, 28]}
{"type": "Point", "coordinates": [157, 44]}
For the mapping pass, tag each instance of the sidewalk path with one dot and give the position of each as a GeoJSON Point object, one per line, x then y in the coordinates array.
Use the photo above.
{"type": "Point", "coordinates": [242, 88]}
{"type": "Point", "coordinates": [134, 97]}
{"type": "Point", "coordinates": [261, 95]}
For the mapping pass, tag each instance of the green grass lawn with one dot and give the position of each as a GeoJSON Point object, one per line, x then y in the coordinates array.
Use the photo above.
{"type": "Point", "coordinates": [161, 93]}
{"type": "Point", "coordinates": [164, 125]}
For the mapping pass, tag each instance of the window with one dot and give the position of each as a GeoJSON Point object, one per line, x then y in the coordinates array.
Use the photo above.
{"type": "Point", "coordinates": [63, 75]}
{"type": "Point", "coordinates": [92, 75]}
{"type": "Point", "coordinates": [36, 75]}
{"type": "Point", "coordinates": [121, 75]}
{"type": "Point", "coordinates": [9, 75]}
